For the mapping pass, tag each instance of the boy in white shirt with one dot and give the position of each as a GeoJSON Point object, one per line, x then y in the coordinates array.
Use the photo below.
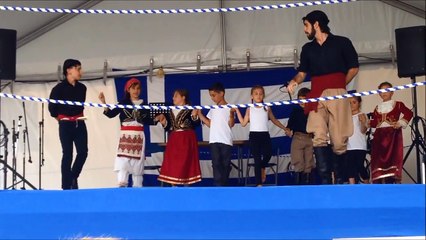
{"type": "Point", "coordinates": [220, 121]}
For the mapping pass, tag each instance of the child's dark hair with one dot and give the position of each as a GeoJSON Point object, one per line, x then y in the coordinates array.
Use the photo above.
{"type": "Point", "coordinates": [358, 98]}
{"type": "Point", "coordinates": [183, 93]}
{"type": "Point", "coordinates": [303, 92]}
{"type": "Point", "coordinates": [385, 84]}
{"type": "Point", "coordinates": [217, 87]}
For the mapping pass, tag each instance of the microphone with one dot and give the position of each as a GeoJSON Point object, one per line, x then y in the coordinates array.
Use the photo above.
{"type": "Point", "coordinates": [284, 85]}
{"type": "Point", "coordinates": [19, 122]}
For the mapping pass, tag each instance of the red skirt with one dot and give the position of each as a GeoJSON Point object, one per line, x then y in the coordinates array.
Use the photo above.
{"type": "Point", "coordinates": [386, 154]}
{"type": "Point", "coordinates": [181, 163]}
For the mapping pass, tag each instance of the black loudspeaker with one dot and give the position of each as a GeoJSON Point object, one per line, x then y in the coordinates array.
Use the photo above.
{"type": "Point", "coordinates": [410, 51]}
{"type": "Point", "coordinates": [7, 54]}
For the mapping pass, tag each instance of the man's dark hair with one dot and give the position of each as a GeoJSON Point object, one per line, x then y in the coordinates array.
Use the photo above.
{"type": "Point", "coordinates": [69, 63]}
{"type": "Point", "coordinates": [320, 17]}
{"type": "Point", "coordinates": [217, 87]}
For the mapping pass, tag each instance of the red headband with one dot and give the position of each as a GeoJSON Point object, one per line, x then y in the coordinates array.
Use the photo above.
{"type": "Point", "coordinates": [130, 82]}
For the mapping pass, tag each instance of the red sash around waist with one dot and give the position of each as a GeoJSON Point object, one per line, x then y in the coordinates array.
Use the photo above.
{"type": "Point", "coordinates": [132, 128]}
{"type": "Point", "coordinates": [69, 118]}
{"type": "Point", "coordinates": [321, 83]}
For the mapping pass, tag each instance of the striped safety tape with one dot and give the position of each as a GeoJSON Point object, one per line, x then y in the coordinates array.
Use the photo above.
{"type": "Point", "coordinates": [276, 103]}
{"type": "Point", "coordinates": [169, 11]}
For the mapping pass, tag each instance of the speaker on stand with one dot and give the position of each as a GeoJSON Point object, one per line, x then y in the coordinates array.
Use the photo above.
{"type": "Point", "coordinates": [7, 54]}
{"type": "Point", "coordinates": [410, 53]}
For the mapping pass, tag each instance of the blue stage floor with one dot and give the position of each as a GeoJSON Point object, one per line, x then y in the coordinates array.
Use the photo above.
{"type": "Point", "coordinates": [288, 212]}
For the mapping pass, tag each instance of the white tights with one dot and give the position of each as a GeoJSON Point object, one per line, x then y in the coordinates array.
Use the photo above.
{"type": "Point", "coordinates": [123, 176]}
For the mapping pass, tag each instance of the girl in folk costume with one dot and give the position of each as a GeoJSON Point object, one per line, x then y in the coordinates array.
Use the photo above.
{"type": "Point", "coordinates": [259, 138]}
{"type": "Point", "coordinates": [387, 144]}
{"type": "Point", "coordinates": [181, 162]}
{"type": "Point", "coordinates": [131, 149]}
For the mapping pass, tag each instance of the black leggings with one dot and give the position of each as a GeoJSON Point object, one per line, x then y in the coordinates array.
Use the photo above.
{"type": "Point", "coordinates": [355, 164]}
{"type": "Point", "coordinates": [260, 145]}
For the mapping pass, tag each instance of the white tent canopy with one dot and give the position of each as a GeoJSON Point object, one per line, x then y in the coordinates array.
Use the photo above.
{"type": "Point", "coordinates": [130, 41]}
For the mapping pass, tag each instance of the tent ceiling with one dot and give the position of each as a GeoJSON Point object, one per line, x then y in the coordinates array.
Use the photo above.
{"type": "Point", "coordinates": [129, 42]}
{"type": "Point", "coordinates": [26, 23]}
{"type": "Point", "coordinates": [417, 4]}
{"type": "Point", "coordinates": [32, 25]}
{"type": "Point", "coordinates": [416, 7]}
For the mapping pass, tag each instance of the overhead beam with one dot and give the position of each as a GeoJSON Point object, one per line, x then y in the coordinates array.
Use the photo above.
{"type": "Point", "coordinates": [224, 55]}
{"type": "Point", "coordinates": [405, 7]}
{"type": "Point", "coordinates": [54, 23]}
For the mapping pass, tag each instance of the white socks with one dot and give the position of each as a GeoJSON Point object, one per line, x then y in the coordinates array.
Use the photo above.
{"type": "Point", "coordinates": [122, 177]}
{"type": "Point", "coordinates": [137, 180]}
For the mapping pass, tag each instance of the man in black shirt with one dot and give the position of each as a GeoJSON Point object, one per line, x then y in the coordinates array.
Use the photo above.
{"type": "Point", "coordinates": [72, 128]}
{"type": "Point", "coordinates": [332, 63]}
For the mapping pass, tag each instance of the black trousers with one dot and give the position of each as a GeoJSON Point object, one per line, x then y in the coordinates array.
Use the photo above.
{"type": "Point", "coordinates": [261, 149]}
{"type": "Point", "coordinates": [72, 132]}
{"type": "Point", "coordinates": [221, 161]}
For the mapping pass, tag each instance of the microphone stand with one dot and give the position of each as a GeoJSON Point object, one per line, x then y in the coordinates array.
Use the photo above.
{"type": "Point", "coordinates": [15, 144]}
{"type": "Point", "coordinates": [23, 158]}
{"type": "Point", "coordinates": [418, 140]}
{"type": "Point", "coordinates": [25, 137]}
{"type": "Point", "coordinates": [40, 145]}
{"type": "Point", "coordinates": [4, 143]}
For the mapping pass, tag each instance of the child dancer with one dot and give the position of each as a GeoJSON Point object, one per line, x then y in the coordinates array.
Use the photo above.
{"type": "Point", "coordinates": [387, 144]}
{"type": "Point", "coordinates": [181, 162]}
{"type": "Point", "coordinates": [259, 138]}
{"type": "Point", "coordinates": [302, 149]}
{"type": "Point", "coordinates": [131, 149]}
{"type": "Point", "coordinates": [220, 121]}
{"type": "Point", "coordinates": [357, 144]}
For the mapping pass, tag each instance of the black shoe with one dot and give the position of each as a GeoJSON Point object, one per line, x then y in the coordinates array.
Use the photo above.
{"type": "Point", "coordinates": [339, 168]}
{"type": "Point", "coordinates": [323, 159]}
{"type": "Point", "coordinates": [307, 178]}
{"type": "Point", "coordinates": [298, 178]}
{"type": "Point", "coordinates": [74, 184]}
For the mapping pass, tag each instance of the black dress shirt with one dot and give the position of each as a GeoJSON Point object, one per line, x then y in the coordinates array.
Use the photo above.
{"type": "Point", "coordinates": [298, 120]}
{"type": "Point", "coordinates": [65, 91]}
{"type": "Point", "coordinates": [336, 54]}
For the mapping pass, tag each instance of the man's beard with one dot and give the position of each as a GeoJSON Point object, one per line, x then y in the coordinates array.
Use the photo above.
{"type": "Point", "coordinates": [311, 35]}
